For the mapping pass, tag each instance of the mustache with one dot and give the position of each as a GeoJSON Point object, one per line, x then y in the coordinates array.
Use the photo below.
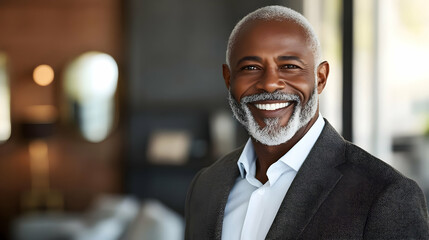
{"type": "Point", "coordinates": [279, 96]}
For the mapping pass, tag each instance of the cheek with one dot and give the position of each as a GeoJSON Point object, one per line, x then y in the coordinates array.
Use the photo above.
{"type": "Point", "coordinates": [305, 87]}
{"type": "Point", "coordinates": [307, 90]}
{"type": "Point", "coordinates": [301, 89]}
{"type": "Point", "coordinates": [241, 88]}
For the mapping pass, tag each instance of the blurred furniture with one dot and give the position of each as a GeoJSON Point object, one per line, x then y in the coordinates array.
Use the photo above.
{"type": "Point", "coordinates": [156, 222]}
{"type": "Point", "coordinates": [147, 179]}
{"type": "Point", "coordinates": [106, 220]}
{"type": "Point", "coordinates": [110, 218]}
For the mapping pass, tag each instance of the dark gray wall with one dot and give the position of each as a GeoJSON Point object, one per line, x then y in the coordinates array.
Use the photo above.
{"type": "Point", "coordinates": [176, 49]}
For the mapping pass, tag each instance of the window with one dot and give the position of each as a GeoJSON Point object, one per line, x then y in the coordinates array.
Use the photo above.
{"type": "Point", "coordinates": [325, 17]}
{"type": "Point", "coordinates": [392, 80]}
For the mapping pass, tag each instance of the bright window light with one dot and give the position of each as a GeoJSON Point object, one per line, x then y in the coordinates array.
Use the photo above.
{"type": "Point", "coordinates": [5, 125]}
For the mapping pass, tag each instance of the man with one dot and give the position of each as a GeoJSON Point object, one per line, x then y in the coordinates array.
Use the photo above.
{"type": "Point", "coordinates": [296, 177]}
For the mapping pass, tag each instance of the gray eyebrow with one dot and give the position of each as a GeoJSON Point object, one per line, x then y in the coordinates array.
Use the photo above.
{"type": "Point", "coordinates": [284, 58]}
{"type": "Point", "coordinates": [258, 59]}
{"type": "Point", "coordinates": [249, 58]}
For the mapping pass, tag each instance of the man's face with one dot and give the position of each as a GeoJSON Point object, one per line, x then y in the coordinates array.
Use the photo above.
{"type": "Point", "coordinates": [272, 80]}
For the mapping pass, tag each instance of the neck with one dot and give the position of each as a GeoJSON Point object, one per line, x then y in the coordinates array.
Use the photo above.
{"type": "Point", "coordinates": [267, 155]}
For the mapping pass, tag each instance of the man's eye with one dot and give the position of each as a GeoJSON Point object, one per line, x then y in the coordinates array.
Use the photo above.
{"type": "Point", "coordinates": [289, 66]}
{"type": "Point", "coordinates": [249, 68]}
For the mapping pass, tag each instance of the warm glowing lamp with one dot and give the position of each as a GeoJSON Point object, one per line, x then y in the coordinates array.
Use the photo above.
{"type": "Point", "coordinates": [43, 75]}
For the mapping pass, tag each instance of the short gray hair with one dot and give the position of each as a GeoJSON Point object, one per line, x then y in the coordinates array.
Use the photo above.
{"type": "Point", "coordinates": [277, 13]}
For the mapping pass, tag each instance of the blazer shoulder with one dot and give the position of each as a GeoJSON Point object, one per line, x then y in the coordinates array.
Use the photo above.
{"type": "Point", "coordinates": [402, 203]}
{"type": "Point", "coordinates": [370, 166]}
{"type": "Point", "coordinates": [398, 206]}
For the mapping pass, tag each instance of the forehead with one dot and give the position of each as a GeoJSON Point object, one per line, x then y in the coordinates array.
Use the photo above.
{"type": "Point", "coordinates": [261, 37]}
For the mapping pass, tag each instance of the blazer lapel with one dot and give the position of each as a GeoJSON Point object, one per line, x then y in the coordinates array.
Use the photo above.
{"type": "Point", "coordinates": [312, 184]}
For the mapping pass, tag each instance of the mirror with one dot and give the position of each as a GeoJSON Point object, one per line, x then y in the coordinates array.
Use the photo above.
{"type": "Point", "coordinates": [5, 125]}
{"type": "Point", "coordinates": [90, 83]}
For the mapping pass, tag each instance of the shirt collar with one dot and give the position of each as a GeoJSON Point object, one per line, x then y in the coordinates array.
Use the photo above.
{"type": "Point", "coordinates": [294, 158]}
{"type": "Point", "coordinates": [247, 158]}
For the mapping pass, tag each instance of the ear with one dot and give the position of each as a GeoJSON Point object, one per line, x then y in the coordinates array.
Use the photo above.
{"type": "Point", "coordinates": [226, 75]}
{"type": "Point", "coordinates": [322, 76]}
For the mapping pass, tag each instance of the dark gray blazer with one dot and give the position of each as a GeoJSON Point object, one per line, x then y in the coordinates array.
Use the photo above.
{"type": "Point", "coordinates": [340, 192]}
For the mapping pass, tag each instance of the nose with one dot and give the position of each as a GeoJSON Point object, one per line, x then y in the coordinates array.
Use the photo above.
{"type": "Point", "coordinates": [270, 81]}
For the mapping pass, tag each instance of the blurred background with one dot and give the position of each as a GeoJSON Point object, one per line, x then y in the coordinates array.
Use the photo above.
{"type": "Point", "coordinates": [109, 107]}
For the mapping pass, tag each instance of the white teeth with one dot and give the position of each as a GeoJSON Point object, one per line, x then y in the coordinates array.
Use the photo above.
{"type": "Point", "coordinates": [272, 106]}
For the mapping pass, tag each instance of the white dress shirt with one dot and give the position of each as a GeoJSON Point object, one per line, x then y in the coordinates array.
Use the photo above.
{"type": "Point", "coordinates": [252, 206]}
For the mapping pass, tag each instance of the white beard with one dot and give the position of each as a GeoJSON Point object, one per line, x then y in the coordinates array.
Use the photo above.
{"type": "Point", "coordinates": [273, 133]}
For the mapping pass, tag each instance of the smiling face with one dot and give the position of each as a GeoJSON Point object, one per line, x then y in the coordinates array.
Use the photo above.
{"type": "Point", "coordinates": [273, 81]}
